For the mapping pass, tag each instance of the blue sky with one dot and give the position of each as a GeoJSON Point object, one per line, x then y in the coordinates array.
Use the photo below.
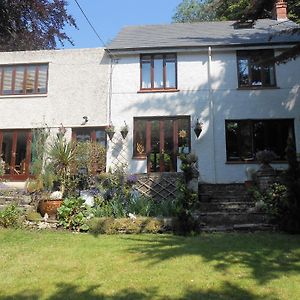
{"type": "Point", "coordinates": [109, 16]}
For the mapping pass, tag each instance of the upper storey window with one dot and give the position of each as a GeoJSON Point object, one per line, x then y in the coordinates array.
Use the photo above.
{"type": "Point", "coordinates": [23, 79]}
{"type": "Point", "coordinates": [158, 72]}
{"type": "Point", "coordinates": [254, 70]}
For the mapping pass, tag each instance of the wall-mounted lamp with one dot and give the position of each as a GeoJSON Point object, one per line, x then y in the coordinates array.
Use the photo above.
{"type": "Point", "coordinates": [85, 120]}
{"type": "Point", "coordinates": [198, 128]}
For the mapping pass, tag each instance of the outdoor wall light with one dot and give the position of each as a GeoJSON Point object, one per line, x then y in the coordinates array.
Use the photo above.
{"type": "Point", "coordinates": [86, 119]}
{"type": "Point", "coordinates": [198, 128]}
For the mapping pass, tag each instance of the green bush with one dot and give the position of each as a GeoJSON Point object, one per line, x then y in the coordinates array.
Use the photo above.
{"type": "Point", "coordinates": [73, 214]}
{"type": "Point", "coordinates": [126, 225]}
{"type": "Point", "coordinates": [10, 217]}
{"type": "Point", "coordinates": [33, 216]}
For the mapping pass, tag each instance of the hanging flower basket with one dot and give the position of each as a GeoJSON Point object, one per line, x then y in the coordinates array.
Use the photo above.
{"type": "Point", "coordinates": [110, 130]}
{"type": "Point", "coordinates": [124, 131]}
{"type": "Point", "coordinates": [198, 128]}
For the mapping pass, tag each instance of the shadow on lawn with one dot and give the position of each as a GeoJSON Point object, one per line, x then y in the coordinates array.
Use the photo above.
{"type": "Point", "coordinates": [73, 292]}
{"type": "Point", "coordinates": [266, 255]}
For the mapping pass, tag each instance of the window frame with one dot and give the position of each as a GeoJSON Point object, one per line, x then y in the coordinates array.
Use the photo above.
{"type": "Point", "coordinates": [93, 137]}
{"type": "Point", "coordinates": [248, 55]}
{"type": "Point", "coordinates": [251, 123]}
{"type": "Point", "coordinates": [164, 71]}
{"type": "Point", "coordinates": [148, 121]}
{"type": "Point", "coordinates": [25, 77]}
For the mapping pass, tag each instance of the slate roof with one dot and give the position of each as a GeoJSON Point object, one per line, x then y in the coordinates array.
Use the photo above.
{"type": "Point", "coordinates": [202, 34]}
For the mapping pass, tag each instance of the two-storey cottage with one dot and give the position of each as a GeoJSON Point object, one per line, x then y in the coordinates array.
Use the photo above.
{"type": "Point", "coordinates": [168, 78]}
{"type": "Point", "coordinates": [50, 89]}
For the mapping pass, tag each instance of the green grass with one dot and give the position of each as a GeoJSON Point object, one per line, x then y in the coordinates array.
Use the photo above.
{"type": "Point", "coordinates": [63, 265]}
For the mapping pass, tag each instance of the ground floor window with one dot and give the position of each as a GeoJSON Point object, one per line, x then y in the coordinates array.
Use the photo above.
{"type": "Point", "coordinates": [160, 139]}
{"type": "Point", "coordinates": [95, 134]}
{"type": "Point", "coordinates": [244, 138]}
{"type": "Point", "coordinates": [15, 152]}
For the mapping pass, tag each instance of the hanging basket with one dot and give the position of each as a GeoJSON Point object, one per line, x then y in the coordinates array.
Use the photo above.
{"type": "Point", "coordinates": [110, 134]}
{"type": "Point", "coordinates": [124, 133]}
{"type": "Point", "coordinates": [198, 129]}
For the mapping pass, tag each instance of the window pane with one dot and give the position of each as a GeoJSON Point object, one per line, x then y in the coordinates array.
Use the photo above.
{"type": "Point", "coordinates": [20, 165]}
{"type": "Point", "coordinates": [243, 72]}
{"type": "Point", "coordinates": [19, 80]}
{"type": "Point", "coordinates": [183, 135]}
{"type": "Point", "coordinates": [232, 145]}
{"type": "Point", "coordinates": [146, 75]}
{"type": "Point", "coordinates": [268, 75]}
{"type": "Point", "coordinates": [7, 150]}
{"type": "Point", "coordinates": [83, 135]}
{"type": "Point", "coordinates": [7, 81]}
{"type": "Point", "coordinates": [256, 75]}
{"type": "Point", "coordinates": [101, 137]}
{"type": "Point", "coordinates": [158, 72]}
{"type": "Point", "coordinates": [140, 137]}
{"type": "Point", "coordinates": [170, 75]}
{"type": "Point", "coordinates": [30, 80]}
{"type": "Point", "coordinates": [42, 79]}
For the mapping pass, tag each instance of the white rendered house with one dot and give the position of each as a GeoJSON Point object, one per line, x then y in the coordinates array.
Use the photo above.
{"type": "Point", "coordinates": [166, 77]}
{"type": "Point", "coordinates": [50, 89]}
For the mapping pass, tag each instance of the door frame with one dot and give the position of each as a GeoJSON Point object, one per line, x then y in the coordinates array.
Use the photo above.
{"type": "Point", "coordinates": [12, 173]}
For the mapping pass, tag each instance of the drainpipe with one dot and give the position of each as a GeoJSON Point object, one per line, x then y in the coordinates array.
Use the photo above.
{"type": "Point", "coordinates": [211, 108]}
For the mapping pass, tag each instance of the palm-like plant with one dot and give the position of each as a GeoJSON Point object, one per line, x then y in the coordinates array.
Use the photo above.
{"type": "Point", "coordinates": [62, 156]}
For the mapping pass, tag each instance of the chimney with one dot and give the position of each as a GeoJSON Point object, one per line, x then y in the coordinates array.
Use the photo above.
{"type": "Point", "coordinates": [280, 11]}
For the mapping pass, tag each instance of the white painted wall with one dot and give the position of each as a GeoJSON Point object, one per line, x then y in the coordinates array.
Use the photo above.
{"type": "Point", "coordinates": [77, 87]}
{"type": "Point", "coordinates": [212, 101]}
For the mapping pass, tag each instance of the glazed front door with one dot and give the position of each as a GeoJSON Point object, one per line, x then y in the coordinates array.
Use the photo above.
{"type": "Point", "coordinates": [162, 150]}
{"type": "Point", "coordinates": [15, 151]}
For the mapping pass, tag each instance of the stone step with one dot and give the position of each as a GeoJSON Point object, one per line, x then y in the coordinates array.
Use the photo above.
{"type": "Point", "coordinates": [222, 188]}
{"type": "Point", "coordinates": [229, 206]}
{"type": "Point", "coordinates": [240, 227]}
{"type": "Point", "coordinates": [220, 218]}
{"type": "Point", "coordinates": [18, 200]}
{"type": "Point", "coordinates": [223, 198]}
{"type": "Point", "coordinates": [24, 207]}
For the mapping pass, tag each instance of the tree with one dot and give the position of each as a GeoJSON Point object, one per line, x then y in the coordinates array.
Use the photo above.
{"type": "Point", "coordinates": [210, 10]}
{"type": "Point", "coordinates": [33, 24]}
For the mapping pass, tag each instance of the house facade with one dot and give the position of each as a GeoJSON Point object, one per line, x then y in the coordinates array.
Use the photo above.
{"type": "Point", "coordinates": [168, 79]}
{"type": "Point", "coordinates": [163, 82]}
{"type": "Point", "coordinates": [50, 89]}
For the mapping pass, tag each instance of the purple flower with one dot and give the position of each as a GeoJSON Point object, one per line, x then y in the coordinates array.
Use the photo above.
{"type": "Point", "coordinates": [131, 179]}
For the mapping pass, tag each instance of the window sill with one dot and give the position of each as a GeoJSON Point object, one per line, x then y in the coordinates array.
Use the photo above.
{"type": "Point", "coordinates": [258, 88]}
{"type": "Point", "coordinates": [139, 157]}
{"type": "Point", "coordinates": [158, 91]}
{"type": "Point", "coordinates": [23, 96]}
{"type": "Point", "coordinates": [253, 162]}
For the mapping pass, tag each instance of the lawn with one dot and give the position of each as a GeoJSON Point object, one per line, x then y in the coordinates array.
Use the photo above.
{"type": "Point", "coordinates": [63, 265]}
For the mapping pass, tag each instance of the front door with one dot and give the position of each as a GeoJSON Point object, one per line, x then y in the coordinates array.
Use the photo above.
{"type": "Point", "coordinates": [162, 156]}
{"type": "Point", "coordinates": [15, 151]}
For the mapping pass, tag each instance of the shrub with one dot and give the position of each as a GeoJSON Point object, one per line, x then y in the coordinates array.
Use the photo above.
{"type": "Point", "coordinates": [33, 216]}
{"type": "Point", "coordinates": [126, 225]}
{"type": "Point", "coordinates": [10, 217]}
{"type": "Point", "coordinates": [73, 214]}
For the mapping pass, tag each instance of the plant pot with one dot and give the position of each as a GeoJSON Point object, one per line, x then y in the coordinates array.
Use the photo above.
{"type": "Point", "coordinates": [248, 184]}
{"type": "Point", "coordinates": [49, 206]}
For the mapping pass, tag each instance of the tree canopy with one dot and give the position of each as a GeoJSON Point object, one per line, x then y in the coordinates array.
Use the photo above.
{"type": "Point", "coordinates": [33, 24]}
{"type": "Point", "coordinates": [212, 10]}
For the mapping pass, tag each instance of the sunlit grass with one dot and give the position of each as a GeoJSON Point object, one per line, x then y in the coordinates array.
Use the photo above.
{"type": "Point", "coordinates": [63, 265]}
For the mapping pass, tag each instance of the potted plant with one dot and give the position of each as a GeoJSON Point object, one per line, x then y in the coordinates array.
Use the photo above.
{"type": "Point", "coordinates": [124, 130]}
{"type": "Point", "coordinates": [266, 174]}
{"type": "Point", "coordinates": [110, 130]}
{"type": "Point", "coordinates": [184, 148]}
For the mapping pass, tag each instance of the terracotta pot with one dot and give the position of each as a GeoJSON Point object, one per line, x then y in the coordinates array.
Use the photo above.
{"type": "Point", "coordinates": [49, 206]}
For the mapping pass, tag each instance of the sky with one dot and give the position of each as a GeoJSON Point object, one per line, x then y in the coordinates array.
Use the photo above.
{"type": "Point", "coordinates": [109, 16]}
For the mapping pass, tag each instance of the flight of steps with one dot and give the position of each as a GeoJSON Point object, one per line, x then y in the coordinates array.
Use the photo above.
{"type": "Point", "coordinates": [227, 207]}
{"type": "Point", "coordinates": [15, 196]}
